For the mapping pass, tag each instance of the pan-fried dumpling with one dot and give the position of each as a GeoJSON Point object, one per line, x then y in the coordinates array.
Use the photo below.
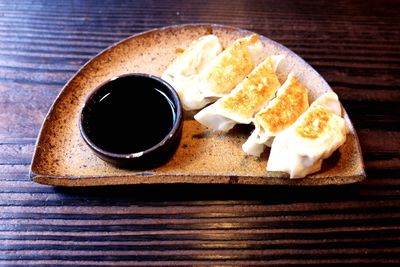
{"type": "Point", "coordinates": [300, 149]}
{"type": "Point", "coordinates": [227, 70]}
{"type": "Point", "coordinates": [291, 101]}
{"type": "Point", "coordinates": [248, 97]}
{"type": "Point", "coordinates": [186, 66]}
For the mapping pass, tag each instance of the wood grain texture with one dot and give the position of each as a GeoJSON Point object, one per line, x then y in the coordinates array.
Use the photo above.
{"type": "Point", "coordinates": [355, 45]}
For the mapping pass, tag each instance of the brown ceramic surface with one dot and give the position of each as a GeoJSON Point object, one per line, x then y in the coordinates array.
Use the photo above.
{"type": "Point", "coordinates": [204, 157]}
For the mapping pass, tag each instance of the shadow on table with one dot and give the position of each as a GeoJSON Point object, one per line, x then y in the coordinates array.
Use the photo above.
{"type": "Point", "coordinates": [185, 192]}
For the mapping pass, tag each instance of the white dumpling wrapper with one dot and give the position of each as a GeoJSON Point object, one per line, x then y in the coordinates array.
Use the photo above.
{"type": "Point", "coordinates": [217, 118]}
{"type": "Point", "coordinates": [299, 156]}
{"type": "Point", "coordinates": [183, 71]}
{"type": "Point", "coordinates": [204, 91]}
{"type": "Point", "coordinates": [261, 136]}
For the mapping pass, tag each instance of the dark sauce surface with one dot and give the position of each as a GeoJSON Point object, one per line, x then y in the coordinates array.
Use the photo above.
{"type": "Point", "coordinates": [128, 117]}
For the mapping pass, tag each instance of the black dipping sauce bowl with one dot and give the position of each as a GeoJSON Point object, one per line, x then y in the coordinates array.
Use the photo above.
{"type": "Point", "coordinates": [132, 121]}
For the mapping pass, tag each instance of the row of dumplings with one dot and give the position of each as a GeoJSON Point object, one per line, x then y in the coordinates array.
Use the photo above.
{"type": "Point", "coordinates": [243, 87]}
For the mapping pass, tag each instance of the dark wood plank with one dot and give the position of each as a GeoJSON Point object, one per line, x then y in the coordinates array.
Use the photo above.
{"type": "Point", "coordinates": [354, 44]}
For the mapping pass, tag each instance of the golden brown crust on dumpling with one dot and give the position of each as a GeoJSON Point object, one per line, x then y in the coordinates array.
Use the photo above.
{"type": "Point", "coordinates": [286, 109]}
{"type": "Point", "coordinates": [259, 86]}
{"type": "Point", "coordinates": [314, 123]}
{"type": "Point", "coordinates": [234, 63]}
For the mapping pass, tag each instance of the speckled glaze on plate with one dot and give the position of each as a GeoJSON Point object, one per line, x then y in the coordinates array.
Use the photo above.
{"type": "Point", "coordinates": [203, 157]}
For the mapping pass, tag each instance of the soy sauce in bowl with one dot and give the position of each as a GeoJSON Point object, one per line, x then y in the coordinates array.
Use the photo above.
{"type": "Point", "coordinates": [122, 121]}
{"type": "Point", "coordinates": [132, 120]}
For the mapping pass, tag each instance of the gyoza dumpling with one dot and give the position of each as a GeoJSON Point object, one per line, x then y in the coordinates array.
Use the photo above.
{"type": "Point", "coordinates": [186, 66]}
{"type": "Point", "coordinates": [227, 70]}
{"type": "Point", "coordinates": [300, 149]}
{"type": "Point", "coordinates": [291, 101]}
{"type": "Point", "coordinates": [248, 97]}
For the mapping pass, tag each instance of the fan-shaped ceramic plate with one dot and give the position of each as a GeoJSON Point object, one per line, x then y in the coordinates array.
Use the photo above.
{"type": "Point", "coordinates": [203, 157]}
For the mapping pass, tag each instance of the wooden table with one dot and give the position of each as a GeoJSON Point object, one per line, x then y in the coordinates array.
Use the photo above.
{"type": "Point", "coordinates": [355, 45]}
